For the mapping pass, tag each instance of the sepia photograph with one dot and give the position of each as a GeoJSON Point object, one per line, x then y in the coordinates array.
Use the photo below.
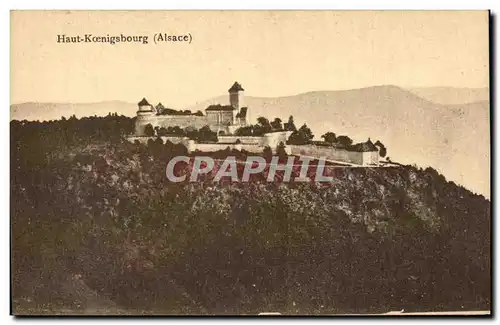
{"type": "Point", "coordinates": [246, 163]}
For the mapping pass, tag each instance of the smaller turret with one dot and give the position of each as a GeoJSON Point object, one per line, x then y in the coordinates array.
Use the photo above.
{"type": "Point", "coordinates": [160, 108]}
{"type": "Point", "coordinates": [145, 108]}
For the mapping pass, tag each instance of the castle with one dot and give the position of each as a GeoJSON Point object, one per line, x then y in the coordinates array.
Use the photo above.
{"type": "Point", "coordinates": [223, 119]}
{"type": "Point", "coordinates": [226, 119]}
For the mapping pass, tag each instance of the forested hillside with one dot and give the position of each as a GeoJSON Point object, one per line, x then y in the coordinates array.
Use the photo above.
{"type": "Point", "coordinates": [89, 208]}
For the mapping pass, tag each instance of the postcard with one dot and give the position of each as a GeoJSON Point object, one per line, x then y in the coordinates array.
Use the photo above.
{"type": "Point", "coordinates": [250, 163]}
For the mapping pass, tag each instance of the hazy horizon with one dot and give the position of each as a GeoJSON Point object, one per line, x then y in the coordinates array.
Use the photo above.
{"type": "Point", "coordinates": [247, 95]}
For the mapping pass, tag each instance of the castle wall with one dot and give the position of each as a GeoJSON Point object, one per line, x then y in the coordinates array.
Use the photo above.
{"type": "Point", "coordinates": [342, 155]}
{"type": "Point", "coordinates": [169, 120]}
{"type": "Point", "coordinates": [243, 139]}
{"type": "Point", "coordinates": [273, 139]}
{"type": "Point", "coordinates": [257, 145]}
{"type": "Point", "coordinates": [253, 145]}
{"type": "Point", "coordinates": [371, 158]}
{"type": "Point", "coordinates": [174, 140]}
{"type": "Point", "coordinates": [251, 148]}
{"type": "Point", "coordinates": [212, 117]}
{"type": "Point", "coordinates": [210, 147]}
{"type": "Point", "coordinates": [270, 139]}
{"type": "Point", "coordinates": [220, 117]}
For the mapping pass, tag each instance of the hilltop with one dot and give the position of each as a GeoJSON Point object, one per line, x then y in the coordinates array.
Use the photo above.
{"type": "Point", "coordinates": [452, 138]}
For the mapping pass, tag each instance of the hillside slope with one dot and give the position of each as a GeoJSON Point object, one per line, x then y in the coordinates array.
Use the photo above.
{"type": "Point", "coordinates": [374, 240]}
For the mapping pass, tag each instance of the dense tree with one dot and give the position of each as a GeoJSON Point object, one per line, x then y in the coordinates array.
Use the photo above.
{"type": "Point", "coordinates": [263, 126]}
{"type": "Point", "coordinates": [252, 130]}
{"type": "Point", "coordinates": [329, 137]}
{"type": "Point", "coordinates": [149, 130]}
{"type": "Point", "coordinates": [276, 124]}
{"type": "Point", "coordinates": [281, 152]}
{"type": "Point", "coordinates": [267, 153]}
{"type": "Point", "coordinates": [263, 121]}
{"type": "Point", "coordinates": [176, 131]}
{"type": "Point", "coordinates": [302, 136]}
{"type": "Point", "coordinates": [382, 150]}
{"type": "Point", "coordinates": [290, 125]}
{"type": "Point", "coordinates": [205, 134]}
{"type": "Point", "coordinates": [344, 140]}
{"type": "Point", "coordinates": [245, 131]}
{"type": "Point", "coordinates": [162, 132]}
{"type": "Point", "coordinates": [160, 110]}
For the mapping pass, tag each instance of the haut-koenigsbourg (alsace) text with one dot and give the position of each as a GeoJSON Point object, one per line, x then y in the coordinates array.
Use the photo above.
{"type": "Point", "coordinates": [122, 38]}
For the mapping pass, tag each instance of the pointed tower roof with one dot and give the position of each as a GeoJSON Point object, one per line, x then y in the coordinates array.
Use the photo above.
{"type": "Point", "coordinates": [144, 102]}
{"type": "Point", "coordinates": [219, 107]}
{"type": "Point", "coordinates": [236, 87]}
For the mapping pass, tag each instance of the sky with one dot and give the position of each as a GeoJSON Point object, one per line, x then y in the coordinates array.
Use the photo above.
{"type": "Point", "coordinates": [275, 53]}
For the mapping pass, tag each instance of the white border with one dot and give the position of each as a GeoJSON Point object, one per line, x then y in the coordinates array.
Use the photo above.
{"type": "Point", "coordinates": [259, 4]}
{"type": "Point", "coordinates": [186, 4]}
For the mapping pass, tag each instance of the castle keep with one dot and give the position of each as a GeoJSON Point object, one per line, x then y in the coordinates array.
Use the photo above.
{"type": "Point", "coordinates": [220, 118]}
{"type": "Point", "coordinates": [226, 119]}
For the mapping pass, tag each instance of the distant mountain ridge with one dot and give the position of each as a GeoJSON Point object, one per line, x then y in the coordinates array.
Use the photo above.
{"type": "Point", "coordinates": [451, 95]}
{"type": "Point", "coordinates": [53, 111]}
{"type": "Point", "coordinates": [416, 128]}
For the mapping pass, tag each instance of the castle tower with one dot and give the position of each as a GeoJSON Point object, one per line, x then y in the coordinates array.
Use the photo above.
{"type": "Point", "coordinates": [145, 108]}
{"type": "Point", "coordinates": [236, 96]}
{"type": "Point", "coordinates": [145, 115]}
